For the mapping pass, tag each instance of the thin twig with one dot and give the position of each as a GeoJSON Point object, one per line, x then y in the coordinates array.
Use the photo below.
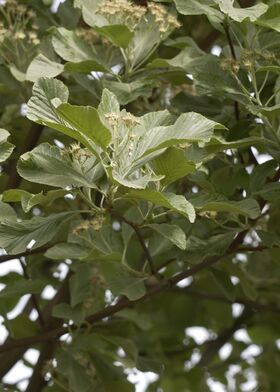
{"type": "Point", "coordinates": [138, 233]}
{"type": "Point", "coordinates": [233, 54]}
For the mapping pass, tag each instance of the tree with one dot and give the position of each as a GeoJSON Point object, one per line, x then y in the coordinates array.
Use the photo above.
{"type": "Point", "coordinates": [140, 150]}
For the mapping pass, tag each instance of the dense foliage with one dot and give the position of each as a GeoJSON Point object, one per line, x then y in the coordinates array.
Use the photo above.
{"type": "Point", "coordinates": [140, 150]}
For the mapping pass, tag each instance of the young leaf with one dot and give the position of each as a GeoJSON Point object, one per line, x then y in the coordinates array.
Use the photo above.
{"type": "Point", "coordinates": [271, 19]}
{"type": "Point", "coordinates": [6, 148]}
{"type": "Point", "coordinates": [41, 108]}
{"type": "Point", "coordinates": [29, 200]}
{"type": "Point", "coordinates": [189, 127]}
{"type": "Point", "coordinates": [121, 281]}
{"type": "Point", "coordinates": [176, 203]}
{"type": "Point", "coordinates": [240, 14]}
{"type": "Point", "coordinates": [16, 236]}
{"type": "Point", "coordinates": [42, 66]}
{"type": "Point", "coordinates": [79, 285]}
{"type": "Point", "coordinates": [247, 207]}
{"type": "Point", "coordinates": [173, 165]}
{"type": "Point", "coordinates": [172, 232]}
{"type": "Point", "coordinates": [85, 119]}
{"type": "Point", "coordinates": [7, 212]}
{"type": "Point", "coordinates": [47, 165]}
{"type": "Point", "coordinates": [22, 287]}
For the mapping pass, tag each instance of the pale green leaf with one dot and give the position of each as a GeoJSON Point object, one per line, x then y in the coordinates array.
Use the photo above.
{"type": "Point", "coordinates": [176, 203]}
{"type": "Point", "coordinates": [16, 236]}
{"type": "Point", "coordinates": [173, 233]}
{"type": "Point", "coordinates": [247, 207]}
{"type": "Point", "coordinates": [6, 148]}
{"type": "Point", "coordinates": [173, 165]}
{"type": "Point", "coordinates": [189, 127]}
{"type": "Point", "coordinates": [240, 14]}
{"type": "Point", "coordinates": [42, 66]}
{"type": "Point", "coordinates": [46, 164]}
{"type": "Point", "coordinates": [29, 200]}
{"type": "Point", "coordinates": [22, 287]}
{"type": "Point", "coordinates": [79, 285]}
{"type": "Point", "coordinates": [121, 281]}
{"type": "Point", "coordinates": [85, 119]}
{"type": "Point", "coordinates": [271, 19]}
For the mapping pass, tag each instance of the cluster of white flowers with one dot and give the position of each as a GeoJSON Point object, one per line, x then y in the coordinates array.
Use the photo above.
{"type": "Point", "coordinates": [21, 26]}
{"type": "Point", "coordinates": [166, 22]}
{"type": "Point", "coordinates": [123, 10]}
{"type": "Point", "coordinates": [96, 224]}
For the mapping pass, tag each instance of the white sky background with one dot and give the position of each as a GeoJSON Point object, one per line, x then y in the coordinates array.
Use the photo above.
{"type": "Point", "coordinates": [141, 380]}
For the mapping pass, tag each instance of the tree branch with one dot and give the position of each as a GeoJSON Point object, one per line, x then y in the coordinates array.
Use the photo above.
{"type": "Point", "coordinates": [123, 303]}
{"type": "Point", "coordinates": [233, 54]}
{"type": "Point", "coordinates": [255, 305]}
{"type": "Point", "coordinates": [213, 346]}
{"type": "Point", "coordinates": [4, 258]}
{"type": "Point", "coordinates": [137, 231]}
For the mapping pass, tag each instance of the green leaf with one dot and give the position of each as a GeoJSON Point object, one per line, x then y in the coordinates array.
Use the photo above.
{"type": "Point", "coordinates": [109, 103]}
{"type": "Point", "coordinates": [65, 311]}
{"type": "Point", "coordinates": [189, 127]}
{"type": "Point", "coordinates": [74, 373]}
{"type": "Point", "coordinates": [62, 251]}
{"type": "Point", "coordinates": [7, 212]}
{"type": "Point", "coordinates": [198, 249]}
{"type": "Point", "coordinates": [120, 35]}
{"type": "Point", "coordinates": [240, 14]}
{"type": "Point", "coordinates": [128, 92]}
{"type": "Point", "coordinates": [46, 164]}
{"type": "Point", "coordinates": [121, 281]}
{"type": "Point", "coordinates": [173, 165]}
{"type": "Point", "coordinates": [176, 203]}
{"type": "Point", "coordinates": [42, 66]}
{"type": "Point", "coordinates": [199, 7]}
{"type": "Point", "coordinates": [6, 148]}
{"type": "Point", "coordinates": [224, 282]}
{"type": "Point", "coordinates": [85, 119]}
{"type": "Point", "coordinates": [41, 108]}
{"type": "Point", "coordinates": [29, 200]}
{"type": "Point", "coordinates": [247, 207]}
{"type": "Point", "coordinates": [173, 233]}
{"type": "Point", "coordinates": [70, 47]}
{"type": "Point", "coordinates": [22, 287]}
{"type": "Point", "coordinates": [21, 326]}
{"type": "Point", "coordinates": [80, 56]}
{"type": "Point", "coordinates": [86, 67]}
{"type": "Point", "coordinates": [79, 285]}
{"type": "Point", "coordinates": [271, 19]}
{"type": "Point", "coordinates": [15, 236]}
{"type": "Point", "coordinates": [146, 38]}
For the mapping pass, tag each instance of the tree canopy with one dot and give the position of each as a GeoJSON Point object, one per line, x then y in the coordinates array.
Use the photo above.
{"type": "Point", "coordinates": [139, 152]}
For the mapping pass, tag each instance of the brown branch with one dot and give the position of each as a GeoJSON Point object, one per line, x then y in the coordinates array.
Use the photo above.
{"type": "Point", "coordinates": [213, 346]}
{"type": "Point", "coordinates": [124, 303]}
{"type": "Point", "coordinates": [254, 305]}
{"type": "Point", "coordinates": [145, 249]}
{"type": "Point", "coordinates": [4, 258]}
{"type": "Point", "coordinates": [233, 54]}
{"type": "Point", "coordinates": [37, 380]}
